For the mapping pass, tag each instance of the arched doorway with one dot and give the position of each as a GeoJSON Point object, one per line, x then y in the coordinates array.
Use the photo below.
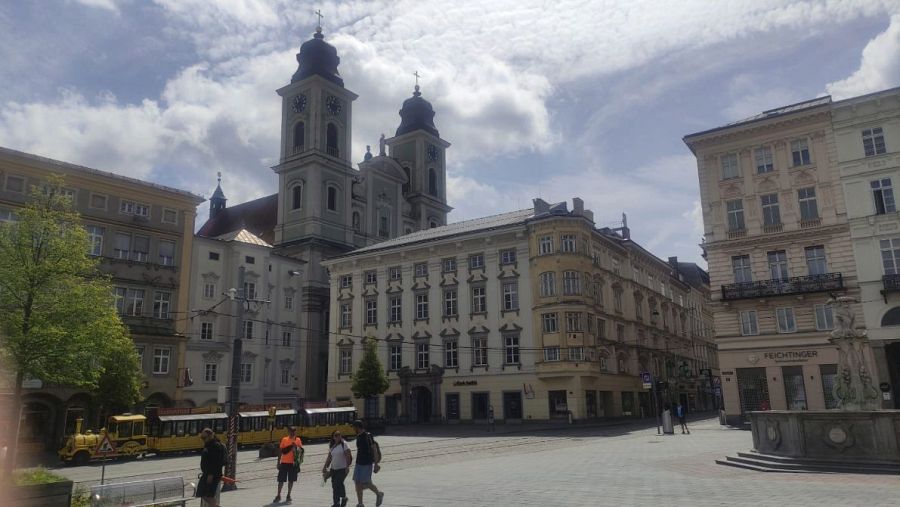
{"type": "Point", "coordinates": [421, 404]}
{"type": "Point", "coordinates": [41, 416]}
{"type": "Point", "coordinates": [80, 406]}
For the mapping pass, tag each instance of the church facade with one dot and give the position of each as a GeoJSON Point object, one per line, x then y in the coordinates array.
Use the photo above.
{"type": "Point", "coordinates": [326, 205]}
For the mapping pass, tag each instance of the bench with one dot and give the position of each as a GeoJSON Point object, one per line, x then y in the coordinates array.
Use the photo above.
{"type": "Point", "coordinates": [151, 492]}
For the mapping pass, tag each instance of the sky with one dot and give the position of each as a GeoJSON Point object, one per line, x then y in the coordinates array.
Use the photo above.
{"type": "Point", "coordinates": [542, 99]}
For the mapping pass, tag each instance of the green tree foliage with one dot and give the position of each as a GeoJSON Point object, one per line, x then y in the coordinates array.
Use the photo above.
{"type": "Point", "coordinates": [370, 378]}
{"type": "Point", "coordinates": [58, 321]}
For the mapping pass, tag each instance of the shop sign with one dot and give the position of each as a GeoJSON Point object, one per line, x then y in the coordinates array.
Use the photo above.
{"type": "Point", "coordinates": [791, 356]}
{"type": "Point", "coordinates": [465, 383]}
{"type": "Point", "coordinates": [884, 386]}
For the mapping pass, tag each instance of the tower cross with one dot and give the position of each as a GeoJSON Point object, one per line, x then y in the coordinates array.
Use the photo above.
{"type": "Point", "coordinates": [319, 14]}
{"type": "Point", "coordinates": [416, 73]}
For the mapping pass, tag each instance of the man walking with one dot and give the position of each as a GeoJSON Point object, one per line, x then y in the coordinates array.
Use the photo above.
{"type": "Point", "coordinates": [682, 418]}
{"type": "Point", "coordinates": [211, 463]}
{"type": "Point", "coordinates": [291, 455]}
{"type": "Point", "coordinates": [366, 463]}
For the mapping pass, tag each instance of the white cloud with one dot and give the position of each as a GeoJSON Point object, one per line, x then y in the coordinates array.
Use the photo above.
{"type": "Point", "coordinates": [110, 5]}
{"type": "Point", "coordinates": [879, 68]}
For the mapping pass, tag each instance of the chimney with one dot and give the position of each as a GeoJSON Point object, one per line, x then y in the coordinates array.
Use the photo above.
{"type": "Point", "coordinates": [540, 206]}
{"type": "Point", "coordinates": [578, 205]}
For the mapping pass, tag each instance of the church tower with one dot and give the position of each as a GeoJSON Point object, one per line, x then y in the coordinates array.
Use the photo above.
{"type": "Point", "coordinates": [314, 173]}
{"type": "Point", "coordinates": [217, 201]}
{"type": "Point", "coordinates": [418, 146]}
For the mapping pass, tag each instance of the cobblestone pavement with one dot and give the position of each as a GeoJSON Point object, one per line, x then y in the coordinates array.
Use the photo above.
{"type": "Point", "coordinates": [619, 465]}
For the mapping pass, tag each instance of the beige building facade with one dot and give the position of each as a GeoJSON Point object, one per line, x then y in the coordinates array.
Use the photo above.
{"type": "Point", "coordinates": [143, 235]}
{"type": "Point", "coordinates": [867, 135]}
{"type": "Point", "coordinates": [778, 245]}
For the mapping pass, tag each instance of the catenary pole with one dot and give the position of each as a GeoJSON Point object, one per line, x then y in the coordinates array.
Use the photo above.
{"type": "Point", "coordinates": [234, 399]}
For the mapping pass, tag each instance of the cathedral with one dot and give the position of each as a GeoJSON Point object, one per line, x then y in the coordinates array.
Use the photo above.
{"type": "Point", "coordinates": [325, 206]}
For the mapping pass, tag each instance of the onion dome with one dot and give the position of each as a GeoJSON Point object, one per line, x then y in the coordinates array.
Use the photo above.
{"type": "Point", "coordinates": [319, 58]}
{"type": "Point", "coordinates": [417, 114]}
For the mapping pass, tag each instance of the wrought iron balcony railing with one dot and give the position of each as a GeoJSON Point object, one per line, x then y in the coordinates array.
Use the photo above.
{"type": "Point", "coordinates": [891, 283]}
{"type": "Point", "coordinates": [793, 285]}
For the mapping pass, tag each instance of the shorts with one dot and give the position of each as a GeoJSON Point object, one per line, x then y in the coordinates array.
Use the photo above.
{"type": "Point", "coordinates": [682, 420]}
{"type": "Point", "coordinates": [362, 474]}
{"type": "Point", "coordinates": [205, 490]}
{"type": "Point", "coordinates": [287, 472]}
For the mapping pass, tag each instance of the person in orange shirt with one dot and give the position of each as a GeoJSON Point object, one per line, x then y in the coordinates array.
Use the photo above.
{"type": "Point", "coordinates": [289, 460]}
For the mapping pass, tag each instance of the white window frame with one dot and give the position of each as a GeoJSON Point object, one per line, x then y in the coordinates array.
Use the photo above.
{"type": "Point", "coordinates": [551, 354]}
{"type": "Point", "coordinates": [824, 317]}
{"type": "Point", "coordinates": [421, 269]}
{"type": "Point", "coordinates": [548, 284]}
{"type": "Point", "coordinates": [395, 273]}
{"type": "Point", "coordinates": [95, 238]}
{"type": "Point", "coordinates": [741, 268]}
{"type": "Point", "coordinates": [873, 142]}
{"type": "Point", "coordinates": [771, 211]}
{"type": "Point", "coordinates": [346, 281]}
{"type": "Point", "coordinates": [206, 331]}
{"type": "Point", "coordinates": [883, 196]}
{"type": "Point", "coordinates": [371, 312]}
{"type": "Point", "coordinates": [371, 277]}
{"type": "Point", "coordinates": [422, 355]}
{"type": "Point", "coordinates": [209, 290]}
{"type": "Point", "coordinates": [246, 373]}
{"type": "Point", "coordinates": [476, 261]}
{"type": "Point", "coordinates": [166, 260]}
{"type": "Point", "coordinates": [890, 255]}
{"type": "Point", "coordinates": [730, 166]}
{"type": "Point", "coordinates": [210, 373]}
{"type": "Point", "coordinates": [162, 303]}
{"type": "Point", "coordinates": [396, 308]}
{"type": "Point", "coordinates": [451, 303]}
{"type": "Point", "coordinates": [545, 245]}
{"type": "Point", "coordinates": [512, 352]}
{"type": "Point", "coordinates": [734, 210]}
{"type": "Point", "coordinates": [247, 333]}
{"type": "Point", "coordinates": [422, 306]}
{"type": "Point", "coordinates": [346, 315]}
{"type": "Point", "coordinates": [451, 354]}
{"type": "Point", "coordinates": [508, 256]}
{"type": "Point", "coordinates": [800, 154]}
{"type": "Point", "coordinates": [287, 338]}
{"type": "Point", "coordinates": [765, 162]}
{"type": "Point", "coordinates": [786, 320]}
{"type": "Point", "coordinates": [511, 296]}
{"type": "Point", "coordinates": [345, 361]}
{"type": "Point", "coordinates": [448, 265]}
{"type": "Point", "coordinates": [395, 356]}
{"type": "Point", "coordinates": [479, 299]}
{"type": "Point", "coordinates": [809, 206]}
{"type": "Point", "coordinates": [549, 323]}
{"type": "Point", "coordinates": [571, 283]}
{"type": "Point", "coordinates": [749, 323]}
{"type": "Point", "coordinates": [816, 260]}
{"type": "Point", "coordinates": [162, 356]}
{"type": "Point", "coordinates": [568, 243]}
{"type": "Point", "coordinates": [479, 351]}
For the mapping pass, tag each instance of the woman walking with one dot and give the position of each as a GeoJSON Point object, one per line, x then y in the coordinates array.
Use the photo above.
{"type": "Point", "coordinates": [339, 459]}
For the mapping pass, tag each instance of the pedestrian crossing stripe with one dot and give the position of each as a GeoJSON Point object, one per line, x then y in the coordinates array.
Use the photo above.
{"type": "Point", "coordinates": [105, 447]}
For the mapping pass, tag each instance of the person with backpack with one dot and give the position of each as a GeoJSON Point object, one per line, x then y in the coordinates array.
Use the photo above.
{"type": "Point", "coordinates": [339, 460]}
{"type": "Point", "coordinates": [368, 456]}
{"type": "Point", "coordinates": [212, 460]}
{"type": "Point", "coordinates": [291, 456]}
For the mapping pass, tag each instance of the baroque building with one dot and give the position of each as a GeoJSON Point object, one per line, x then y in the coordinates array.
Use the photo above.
{"type": "Point", "coordinates": [325, 206]}
{"type": "Point", "coordinates": [533, 314]}
{"type": "Point", "coordinates": [142, 233]}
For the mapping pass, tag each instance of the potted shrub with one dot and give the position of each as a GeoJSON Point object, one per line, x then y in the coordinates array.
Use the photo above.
{"type": "Point", "coordinates": [37, 486]}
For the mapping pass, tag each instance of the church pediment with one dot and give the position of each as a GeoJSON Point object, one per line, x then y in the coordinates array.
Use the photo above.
{"type": "Point", "coordinates": [385, 167]}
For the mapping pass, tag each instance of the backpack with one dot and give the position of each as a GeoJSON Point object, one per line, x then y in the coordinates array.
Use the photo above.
{"type": "Point", "coordinates": [376, 449]}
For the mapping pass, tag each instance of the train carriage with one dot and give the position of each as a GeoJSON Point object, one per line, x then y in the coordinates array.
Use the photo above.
{"type": "Point", "coordinates": [319, 423]}
{"type": "Point", "coordinates": [178, 433]}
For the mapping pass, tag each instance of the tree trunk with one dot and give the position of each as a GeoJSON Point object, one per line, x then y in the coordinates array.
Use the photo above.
{"type": "Point", "coordinates": [15, 412]}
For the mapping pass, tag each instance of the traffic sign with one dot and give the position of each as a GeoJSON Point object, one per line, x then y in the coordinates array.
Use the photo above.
{"type": "Point", "coordinates": [105, 448]}
{"type": "Point", "coordinates": [647, 379]}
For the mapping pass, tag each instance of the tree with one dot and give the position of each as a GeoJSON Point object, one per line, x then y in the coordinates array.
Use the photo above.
{"type": "Point", "coordinates": [58, 321]}
{"type": "Point", "coordinates": [370, 378]}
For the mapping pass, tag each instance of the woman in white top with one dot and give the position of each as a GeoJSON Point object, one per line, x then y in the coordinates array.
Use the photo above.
{"type": "Point", "coordinates": [339, 459]}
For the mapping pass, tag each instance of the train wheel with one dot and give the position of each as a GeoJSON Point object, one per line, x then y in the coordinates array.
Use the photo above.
{"type": "Point", "coordinates": [81, 458]}
{"type": "Point", "coordinates": [130, 450]}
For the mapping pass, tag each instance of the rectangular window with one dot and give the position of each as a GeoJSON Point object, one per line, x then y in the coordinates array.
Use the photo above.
{"type": "Point", "coordinates": [286, 338]}
{"type": "Point", "coordinates": [508, 256]}
{"type": "Point", "coordinates": [248, 329]}
{"type": "Point", "coordinates": [824, 317]}
{"type": "Point", "coordinates": [548, 284]}
{"type": "Point", "coordinates": [794, 389]}
{"type": "Point", "coordinates": [740, 266]}
{"type": "Point", "coordinates": [371, 277]}
{"type": "Point", "coordinates": [371, 312]}
{"type": "Point", "coordinates": [246, 373]}
{"type": "Point", "coordinates": [617, 299]}
{"type": "Point", "coordinates": [95, 239]}
{"type": "Point", "coordinates": [15, 184]}
{"type": "Point", "coordinates": [122, 248]}
{"type": "Point", "coordinates": [620, 332]}
{"type": "Point", "coordinates": [764, 161]}
{"type": "Point", "coordinates": [573, 322]}
{"type": "Point", "coordinates": [97, 201]}
{"type": "Point", "coordinates": [206, 331]}
{"type": "Point", "coordinates": [209, 290]}
{"type": "Point", "coordinates": [285, 376]}
{"type": "Point", "coordinates": [346, 315]}
{"type": "Point", "coordinates": [815, 260]}
{"type": "Point", "coordinates": [873, 142]}
{"type": "Point", "coordinates": [749, 325]}
{"type": "Point", "coordinates": [120, 294]}
{"type": "Point", "coordinates": [395, 273]}
{"type": "Point", "coordinates": [141, 249]}
{"type": "Point", "coordinates": [809, 209]}
{"type": "Point", "coordinates": [551, 353]}
{"type": "Point", "coordinates": [396, 357]}
{"type": "Point", "coordinates": [167, 253]}
{"type": "Point", "coordinates": [451, 307]}
{"type": "Point", "coordinates": [249, 259]}
{"type": "Point", "coordinates": [778, 265]}
{"type": "Point", "coordinates": [213, 256]}
{"type": "Point", "coordinates": [249, 290]}
{"type": "Point", "coordinates": [883, 194]}
{"type": "Point", "coordinates": [396, 309]}
{"type": "Point", "coordinates": [134, 302]}
{"type": "Point", "coordinates": [479, 352]}
{"type": "Point", "coordinates": [890, 255]}
{"type": "Point", "coordinates": [288, 302]}
{"type": "Point", "coordinates": [512, 349]}
{"type": "Point", "coordinates": [476, 261]}
{"type": "Point", "coordinates": [421, 269]}
{"type": "Point", "coordinates": [346, 281]}
{"type": "Point", "coordinates": [479, 299]}
{"type": "Point", "coordinates": [601, 329]}
{"type": "Point", "coordinates": [346, 361]}
{"type": "Point", "coordinates": [735, 210]}
{"type": "Point", "coordinates": [770, 210]}
{"type": "Point", "coordinates": [448, 265]}
{"type": "Point", "coordinates": [786, 322]}
{"type": "Point", "coordinates": [571, 283]}
{"type": "Point", "coordinates": [568, 243]}
{"type": "Point", "coordinates": [422, 306]}
{"type": "Point", "coordinates": [510, 296]}
{"type": "Point", "coordinates": [545, 244]}
{"type": "Point", "coordinates": [169, 216]}
{"type": "Point", "coordinates": [451, 354]}
{"type": "Point", "coordinates": [828, 372]}
{"type": "Point", "coordinates": [549, 323]}
{"type": "Point", "coordinates": [210, 372]}
{"type": "Point", "coordinates": [161, 360]}
{"type": "Point", "coordinates": [422, 359]}
{"type": "Point", "coordinates": [800, 152]}
{"type": "Point", "coordinates": [576, 353]}
{"type": "Point", "coordinates": [730, 167]}
{"type": "Point", "coordinates": [162, 300]}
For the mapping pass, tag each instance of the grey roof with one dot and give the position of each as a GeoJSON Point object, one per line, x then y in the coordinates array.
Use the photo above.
{"type": "Point", "coordinates": [771, 113]}
{"type": "Point", "coordinates": [450, 230]}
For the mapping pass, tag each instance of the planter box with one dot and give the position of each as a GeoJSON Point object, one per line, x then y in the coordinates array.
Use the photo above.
{"type": "Point", "coordinates": [54, 494]}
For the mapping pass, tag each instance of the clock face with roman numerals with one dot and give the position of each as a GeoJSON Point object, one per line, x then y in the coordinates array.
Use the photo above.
{"type": "Point", "coordinates": [432, 152]}
{"type": "Point", "coordinates": [333, 104]}
{"type": "Point", "coordinates": [299, 103]}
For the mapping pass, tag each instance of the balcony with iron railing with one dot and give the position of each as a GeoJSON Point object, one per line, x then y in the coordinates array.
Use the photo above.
{"type": "Point", "coordinates": [891, 283]}
{"type": "Point", "coordinates": [782, 287]}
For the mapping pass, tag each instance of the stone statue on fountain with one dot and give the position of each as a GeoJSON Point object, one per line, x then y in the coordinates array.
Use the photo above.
{"type": "Point", "coordinates": [853, 386]}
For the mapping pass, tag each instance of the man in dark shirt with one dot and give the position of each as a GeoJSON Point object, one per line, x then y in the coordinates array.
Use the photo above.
{"type": "Point", "coordinates": [211, 462]}
{"type": "Point", "coordinates": [366, 463]}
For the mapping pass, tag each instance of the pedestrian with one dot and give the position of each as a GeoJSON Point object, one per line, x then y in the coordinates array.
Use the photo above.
{"type": "Point", "coordinates": [682, 418]}
{"type": "Point", "coordinates": [291, 448]}
{"type": "Point", "coordinates": [339, 460]}
{"type": "Point", "coordinates": [367, 458]}
{"type": "Point", "coordinates": [212, 460]}
{"type": "Point", "coordinates": [491, 418]}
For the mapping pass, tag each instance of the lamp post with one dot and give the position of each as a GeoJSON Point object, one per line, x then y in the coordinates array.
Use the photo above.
{"type": "Point", "coordinates": [234, 401]}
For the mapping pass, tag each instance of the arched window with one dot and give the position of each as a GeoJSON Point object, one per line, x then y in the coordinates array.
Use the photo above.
{"type": "Point", "coordinates": [406, 186]}
{"type": "Point", "coordinates": [332, 199]}
{"type": "Point", "coordinates": [432, 182]}
{"type": "Point", "coordinates": [891, 318]}
{"type": "Point", "coordinates": [299, 136]}
{"type": "Point", "coordinates": [331, 140]}
{"type": "Point", "coordinates": [297, 196]}
{"type": "Point", "coordinates": [433, 223]}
